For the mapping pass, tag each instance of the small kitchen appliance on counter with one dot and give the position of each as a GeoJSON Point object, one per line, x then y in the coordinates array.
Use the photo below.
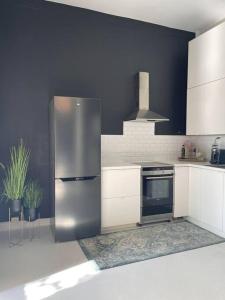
{"type": "Point", "coordinates": [157, 192]}
{"type": "Point", "coordinates": [217, 153]}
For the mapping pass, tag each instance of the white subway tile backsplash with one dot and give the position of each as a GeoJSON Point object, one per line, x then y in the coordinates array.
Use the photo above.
{"type": "Point", "coordinates": [136, 128]}
{"type": "Point", "coordinates": [138, 140]}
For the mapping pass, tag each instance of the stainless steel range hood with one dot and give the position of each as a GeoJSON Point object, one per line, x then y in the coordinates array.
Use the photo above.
{"type": "Point", "coordinates": [144, 113]}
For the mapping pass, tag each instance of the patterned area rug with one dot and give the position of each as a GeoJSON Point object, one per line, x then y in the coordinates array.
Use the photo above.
{"type": "Point", "coordinates": [120, 248]}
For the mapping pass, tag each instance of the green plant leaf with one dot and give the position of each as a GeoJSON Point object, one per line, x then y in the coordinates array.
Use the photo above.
{"type": "Point", "coordinates": [16, 172]}
{"type": "Point", "coordinates": [33, 195]}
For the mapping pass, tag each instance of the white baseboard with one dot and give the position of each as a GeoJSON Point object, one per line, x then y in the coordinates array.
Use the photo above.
{"type": "Point", "coordinates": [206, 226]}
{"type": "Point", "coordinates": [105, 230]}
{"type": "Point", "coordinates": [5, 225]}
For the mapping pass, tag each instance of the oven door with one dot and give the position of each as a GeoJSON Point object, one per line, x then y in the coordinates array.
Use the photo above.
{"type": "Point", "coordinates": [157, 195]}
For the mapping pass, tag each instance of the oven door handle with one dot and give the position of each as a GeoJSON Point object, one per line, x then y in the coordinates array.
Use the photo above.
{"type": "Point", "coordinates": [159, 177]}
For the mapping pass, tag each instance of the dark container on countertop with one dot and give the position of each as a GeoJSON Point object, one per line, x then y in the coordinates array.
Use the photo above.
{"type": "Point", "coordinates": [183, 151]}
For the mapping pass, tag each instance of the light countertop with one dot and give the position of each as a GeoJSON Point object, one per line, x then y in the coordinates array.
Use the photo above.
{"type": "Point", "coordinates": [202, 165]}
{"type": "Point", "coordinates": [129, 163]}
{"type": "Point", "coordinates": [118, 164]}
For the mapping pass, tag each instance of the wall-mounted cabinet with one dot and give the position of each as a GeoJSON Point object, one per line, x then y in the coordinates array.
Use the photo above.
{"type": "Point", "coordinates": [206, 83]}
{"type": "Point", "coordinates": [206, 61]}
{"type": "Point", "coordinates": [206, 109]}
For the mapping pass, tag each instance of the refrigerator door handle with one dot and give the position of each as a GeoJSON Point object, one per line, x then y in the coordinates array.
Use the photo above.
{"type": "Point", "coordinates": [78, 178]}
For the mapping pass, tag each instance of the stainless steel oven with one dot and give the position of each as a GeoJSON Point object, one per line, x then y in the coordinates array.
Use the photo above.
{"type": "Point", "coordinates": [157, 193]}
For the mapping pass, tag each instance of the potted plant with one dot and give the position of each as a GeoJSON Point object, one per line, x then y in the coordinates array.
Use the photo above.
{"type": "Point", "coordinates": [15, 177]}
{"type": "Point", "coordinates": [32, 200]}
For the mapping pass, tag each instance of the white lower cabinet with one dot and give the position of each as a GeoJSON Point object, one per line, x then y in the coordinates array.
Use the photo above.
{"type": "Point", "coordinates": [199, 194]}
{"type": "Point", "coordinates": [212, 198]}
{"type": "Point", "coordinates": [120, 197]}
{"type": "Point", "coordinates": [120, 182]}
{"type": "Point", "coordinates": [195, 193]}
{"type": "Point", "coordinates": [181, 192]}
{"type": "Point", "coordinates": [224, 203]}
{"type": "Point", "coordinates": [206, 197]}
{"type": "Point", "coordinates": [120, 211]}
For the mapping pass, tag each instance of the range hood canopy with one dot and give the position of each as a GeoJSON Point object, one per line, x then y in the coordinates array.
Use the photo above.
{"type": "Point", "coordinates": [144, 113]}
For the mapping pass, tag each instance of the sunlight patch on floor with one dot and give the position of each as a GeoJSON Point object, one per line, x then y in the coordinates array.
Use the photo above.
{"type": "Point", "coordinates": [46, 287]}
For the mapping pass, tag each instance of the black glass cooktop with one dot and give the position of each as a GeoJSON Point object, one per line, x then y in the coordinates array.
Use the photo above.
{"type": "Point", "coordinates": [152, 164]}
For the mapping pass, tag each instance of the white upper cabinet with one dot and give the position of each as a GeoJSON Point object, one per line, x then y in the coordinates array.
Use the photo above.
{"type": "Point", "coordinates": [206, 61]}
{"type": "Point", "coordinates": [206, 83]}
{"type": "Point", "coordinates": [206, 108]}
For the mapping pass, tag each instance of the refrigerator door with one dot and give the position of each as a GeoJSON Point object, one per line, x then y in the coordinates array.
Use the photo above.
{"type": "Point", "coordinates": [77, 209]}
{"type": "Point", "coordinates": [77, 131]}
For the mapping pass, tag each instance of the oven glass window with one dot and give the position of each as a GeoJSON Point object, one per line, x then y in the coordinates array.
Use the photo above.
{"type": "Point", "coordinates": [157, 196]}
{"type": "Point", "coordinates": [158, 189]}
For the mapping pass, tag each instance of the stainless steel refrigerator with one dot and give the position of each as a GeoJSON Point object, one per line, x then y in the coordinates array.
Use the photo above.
{"type": "Point", "coordinates": [75, 129]}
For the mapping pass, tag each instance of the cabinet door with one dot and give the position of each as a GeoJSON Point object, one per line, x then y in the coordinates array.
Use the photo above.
{"type": "Point", "coordinates": [212, 198]}
{"type": "Point", "coordinates": [206, 197]}
{"type": "Point", "coordinates": [181, 192]}
{"type": "Point", "coordinates": [206, 109]}
{"type": "Point", "coordinates": [224, 202]}
{"type": "Point", "coordinates": [195, 193]}
{"type": "Point", "coordinates": [121, 183]}
{"type": "Point", "coordinates": [206, 57]}
{"type": "Point", "coordinates": [120, 211]}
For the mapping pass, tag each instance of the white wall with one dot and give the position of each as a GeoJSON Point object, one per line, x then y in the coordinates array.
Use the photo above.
{"type": "Point", "coordinates": [204, 143]}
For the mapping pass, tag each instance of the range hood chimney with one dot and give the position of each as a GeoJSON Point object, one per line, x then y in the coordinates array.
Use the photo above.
{"type": "Point", "coordinates": [144, 113]}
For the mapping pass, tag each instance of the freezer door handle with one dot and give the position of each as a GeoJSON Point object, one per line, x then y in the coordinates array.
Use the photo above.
{"type": "Point", "coordinates": [78, 178]}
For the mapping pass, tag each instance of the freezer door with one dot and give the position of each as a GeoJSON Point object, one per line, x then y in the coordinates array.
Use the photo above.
{"type": "Point", "coordinates": [77, 132]}
{"type": "Point", "coordinates": [77, 208]}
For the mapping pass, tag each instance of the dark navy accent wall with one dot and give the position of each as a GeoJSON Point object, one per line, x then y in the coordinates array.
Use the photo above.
{"type": "Point", "coordinates": [50, 49]}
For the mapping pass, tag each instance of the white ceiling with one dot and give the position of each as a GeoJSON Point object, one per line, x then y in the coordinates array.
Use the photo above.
{"type": "Point", "coordinates": [191, 15]}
